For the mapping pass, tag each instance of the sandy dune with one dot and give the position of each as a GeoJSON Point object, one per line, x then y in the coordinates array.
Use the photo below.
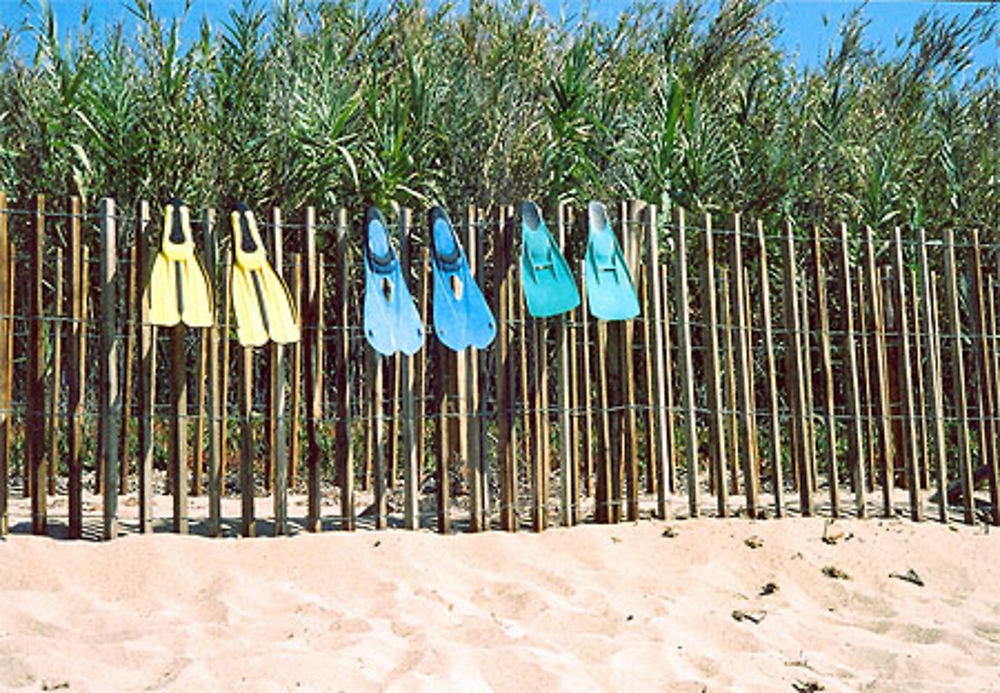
{"type": "Point", "coordinates": [591, 608]}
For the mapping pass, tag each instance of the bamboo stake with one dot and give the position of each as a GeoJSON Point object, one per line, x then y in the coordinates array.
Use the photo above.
{"type": "Point", "coordinates": [539, 468]}
{"type": "Point", "coordinates": [587, 387]}
{"type": "Point", "coordinates": [794, 351]}
{"type": "Point", "coordinates": [53, 466]}
{"type": "Point", "coordinates": [670, 461]}
{"type": "Point", "coordinates": [983, 367]}
{"type": "Point", "coordinates": [744, 366]}
{"type": "Point", "coordinates": [920, 400]}
{"type": "Point", "coordinates": [631, 231]}
{"type": "Point", "coordinates": [441, 439]}
{"type": "Point", "coordinates": [178, 429]}
{"type": "Point", "coordinates": [855, 453]}
{"type": "Point", "coordinates": [226, 342]}
{"type": "Point", "coordinates": [378, 439]}
{"type": "Point", "coordinates": [886, 449]}
{"type": "Point", "coordinates": [906, 387]}
{"type": "Point", "coordinates": [110, 393]}
{"type": "Point", "coordinates": [826, 366]}
{"type": "Point", "coordinates": [934, 377]}
{"type": "Point", "coordinates": [426, 357]}
{"type": "Point", "coordinates": [469, 435]}
{"type": "Point", "coordinates": [279, 448]}
{"type": "Point", "coordinates": [132, 303]}
{"type": "Point", "coordinates": [866, 368]}
{"type": "Point", "coordinates": [296, 403]}
{"type": "Point", "coordinates": [6, 330]}
{"type": "Point", "coordinates": [687, 367]}
{"type": "Point", "coordinates": [732, 426]}
{"type": "Point", "coordinates": [716, 428]}
{"type": "Point", "coordinates": [604, 445]}
{"type": "Point", "coordinates": [34, 443]}
{"type": "Point", "coordinates": [520, 310]}
{"type": "Point", "coordinates": [958, 378]}
{"type": "Point", "coordinates": [78, 380]}
{"type": "Point", "coordinates": [808, 423]}
{"type": "Point", "coordinates": [246, 443]}
{"type": "Point", "coordinates": [215, 425]}
{"type": "Point", "coordinates": [937, 397]}
{"type": "Point", "coordinates": [658, 317]}
{"type": "Point", "coordinates": [411, 462]}
{"type": "Point", "coordinates": [772, 374]}
{"type": "Point", "coordinates": [567, 461]}
{"type": "Point", "coordinates": [313, 386]}
{"type": "Point", "coordinates": [505, 456]}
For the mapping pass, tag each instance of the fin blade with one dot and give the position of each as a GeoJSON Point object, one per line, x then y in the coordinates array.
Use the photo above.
{"type": "Point", "coordinates": [282, 325]}
{"type": "Point", "coordinates": [197, 299]}
{"type": "Point", "coordinates": [552, 291]}
{"type": "Point", "coordinates": [163, 294]}
{"type": "Point", "coordinates": [250, 330]}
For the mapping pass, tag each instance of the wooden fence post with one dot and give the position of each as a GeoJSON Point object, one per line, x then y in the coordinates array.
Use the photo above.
{"type": "Point", "coordinates": [78, 374]}
{"type": "Point", "coordinates": [567, 460]}
{"type": "Point", "coordinates": [906, 386]}
{"type": "Point", "coordinates": [279, 439]}
{"type": "Point", "coordinates": [506, 454]}
{"type": "Point", "coordinates": [886, 449]}
{"type": "Point", "coordinates": [468, 397]}
{"type": "Point", "coordinates": [411, 463]}
{"type": "Point", "coordinates": [794, 353]}
{"type": "Point", "coordinates": [748, 450]}
{"type": "Point", "coordinates": [313, 364]}
{"type": "Point", "coordinates": [826, 367]}
{"type": "Point", "coordinates": [215, 405]}
{"type": "Point", "coordinates": [345, 448]}
{"type": "Point", "coordinates": [856, 456]}
{"type": "Point", "coordinates": [35, 434]}
{"type": "Point", "coordinates": [716, 429]}
{"type": "Point", "coordinates": [687, 367]}
{"type": "Point", "coordinates": [110, 393]}
{"type": "Point", "coordinates": [934, 377]}
{"type": "Point", "coordinates": [246, 443]}
{"type": "Point", "coordinates": [984, 369]}
{"type": "Point", "coordinates": [5, 382]}
{"type": "Point", "coordinates": [54, 416]}
{"type": "Point", "coordinates": [778, 481]}
{"type": "Point", "coordinates": [147, 372]}
{"type": "Point", "coordinates": [587, 350]}
{"type": "Point", "coordinates": [958, 379]}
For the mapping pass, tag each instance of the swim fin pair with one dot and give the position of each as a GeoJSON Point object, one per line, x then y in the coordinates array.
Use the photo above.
{"type": "Point", "coordinates": [261, 300]}
{"type": "Point", "coordinates": [549, 286]}
{"type": "Point", "coordinates": [610, 292]}
{"type": "Point", "coordinates": [179, 290]}
{"type": "Point", "coordinates": [391, 320]}
{"type": "Point", "coordinates": [461, 316]}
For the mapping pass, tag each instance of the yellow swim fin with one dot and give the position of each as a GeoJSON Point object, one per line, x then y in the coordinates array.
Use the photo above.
{"type": "Point", "coordinates": [179, 289]}
{"type": "Point", "coordinates": [262, 303]}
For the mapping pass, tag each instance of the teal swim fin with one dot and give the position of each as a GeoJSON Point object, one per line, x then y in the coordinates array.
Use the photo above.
{"type": "Point", "coordinates": [461, 316]}
{"type": "Point", "coordinates": [610, 292]}
{"type": "Point", "coordinates": [549, 287]}
{"type": "Point", "coordinates": [391, 320]}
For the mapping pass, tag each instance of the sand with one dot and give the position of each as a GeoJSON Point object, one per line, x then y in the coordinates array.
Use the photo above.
{"type": "Point", "coordinates": [590, 608]}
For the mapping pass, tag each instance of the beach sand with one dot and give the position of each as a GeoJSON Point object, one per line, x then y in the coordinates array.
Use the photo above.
{"type": "Point", "coordinates": [653, 606]}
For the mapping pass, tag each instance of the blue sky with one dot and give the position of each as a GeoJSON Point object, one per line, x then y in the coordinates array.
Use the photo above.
{"type": "Point", "coordinates": [809, 26]}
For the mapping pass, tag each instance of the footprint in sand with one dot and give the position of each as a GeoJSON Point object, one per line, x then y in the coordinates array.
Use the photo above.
{"type": "Point", "coordinates": [14, 673]}
{"type": "Point", "coordinates": [988, 631]}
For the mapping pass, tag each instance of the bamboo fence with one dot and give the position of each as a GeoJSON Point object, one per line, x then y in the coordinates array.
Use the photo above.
{"type": "Point", "coordinates": [774, 371]}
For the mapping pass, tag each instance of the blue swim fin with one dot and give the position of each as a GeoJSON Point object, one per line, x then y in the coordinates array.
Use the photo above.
{"type": "Point", "coordinates": [549, 287]}
{"type": "Point", "coordinates": [610, 292]}
{"type": "Point", "coordinates": [461, 316]}
{"type": "Point", "coordinates": [391, 320]}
